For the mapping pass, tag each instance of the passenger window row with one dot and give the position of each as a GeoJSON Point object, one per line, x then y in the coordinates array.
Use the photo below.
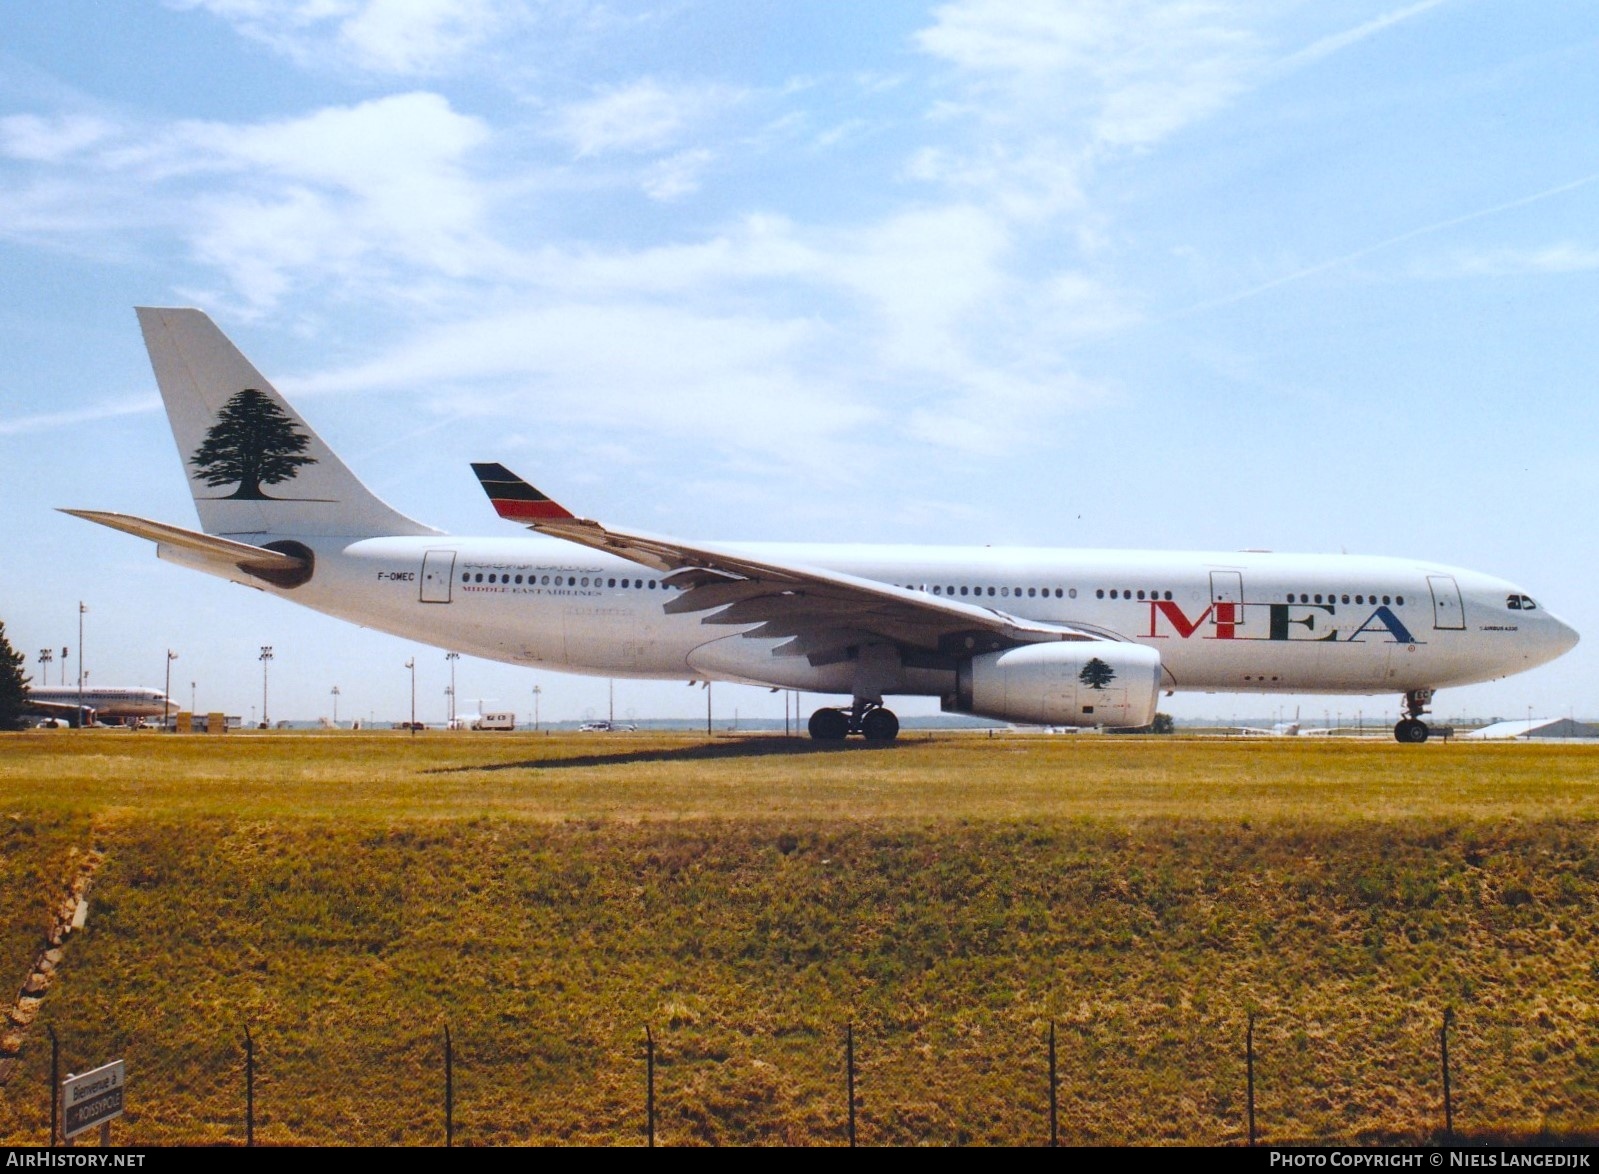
{"type": "Point", "coordinates": [567, 581]}
{"type": "Point", "coordinates": [1334, 598]}
{"type": "Point", "coordinates": [1003, 592]}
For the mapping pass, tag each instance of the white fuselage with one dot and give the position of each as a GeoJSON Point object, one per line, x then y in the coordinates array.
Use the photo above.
{"type": "Point", "coordinates": [1222, 622]}
{"type": "Point", "coordinates": [117, 702]}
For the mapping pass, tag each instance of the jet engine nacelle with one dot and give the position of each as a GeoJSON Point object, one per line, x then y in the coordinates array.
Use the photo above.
{"type": "Point", "coordinates": [1069, 683]}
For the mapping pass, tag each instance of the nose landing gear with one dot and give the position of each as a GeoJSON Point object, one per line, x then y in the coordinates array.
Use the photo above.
{"type": "Point", "coordinates": [1411, 728]}
{"type": "Point", "coordinates": [866, 718]}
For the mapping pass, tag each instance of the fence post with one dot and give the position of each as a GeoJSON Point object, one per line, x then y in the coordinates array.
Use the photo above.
{"type": "Point", "coordinates": [449, 1087]}
{"type": "Point", "coordinates": [55, 1086]}
{"type": "Point", "coordinates": [1249, 1068]}
{"type": "Point", "coordinates": [649, 1086]}
{"type": "Point", "coordinates": [1443, 1047]}
{"type": "Point", "coordinates": [849, 1077]}
{"type": "Point", "coordinates": [249, 1088]}
{"type": "Point", "coordinates": [1054, 1132]}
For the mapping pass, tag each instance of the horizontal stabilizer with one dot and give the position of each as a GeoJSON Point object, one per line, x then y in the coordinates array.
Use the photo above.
{"type": "Point", "coordinates": [241, 554]}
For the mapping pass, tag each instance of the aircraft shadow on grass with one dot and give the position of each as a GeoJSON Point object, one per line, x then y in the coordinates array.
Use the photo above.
{"type": "Point", "coordinates": [711, 752]}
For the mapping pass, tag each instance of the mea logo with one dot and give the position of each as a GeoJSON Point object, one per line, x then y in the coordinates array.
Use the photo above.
{"type": "Point", "coordinates": [253, 443]}
{"type": "Point", "coordinates": [1296, 622]}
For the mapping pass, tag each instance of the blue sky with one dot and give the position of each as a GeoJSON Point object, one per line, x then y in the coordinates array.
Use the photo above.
{"type": "Point", "coordinates": [1298, 276]}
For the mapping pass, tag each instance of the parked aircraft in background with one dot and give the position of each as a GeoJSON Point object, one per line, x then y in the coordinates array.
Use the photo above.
{"type": "Point", "coordinates": [1276, 730]}
{"type": "Point", "coordinates": [1034, 634]}
{"type": "Point", "coordinates": [101, 703]}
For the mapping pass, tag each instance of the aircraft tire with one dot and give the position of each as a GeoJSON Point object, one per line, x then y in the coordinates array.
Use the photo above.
{"type": "Point", "coordinates": [1410, 730]}
{"type": "Point", "coordinates": [828, 725]}
{"type": "Point", "coordinates": [880, 725]}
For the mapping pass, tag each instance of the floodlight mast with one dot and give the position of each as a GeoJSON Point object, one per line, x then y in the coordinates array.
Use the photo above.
{"type": "Point", "coordinates": [82, 610]}
{"type": "Point", "coordinates": [411, 664]}
{"type": "Point", "coordinates": [266, 659]}
{"type": "Point", "coordinates": [166, 697]}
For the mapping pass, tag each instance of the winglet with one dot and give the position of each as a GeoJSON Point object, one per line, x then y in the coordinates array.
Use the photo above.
{"type": "Point", "coordinates": [513, 497]}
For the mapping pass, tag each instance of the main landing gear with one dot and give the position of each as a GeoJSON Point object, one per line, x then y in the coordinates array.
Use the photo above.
{"type": "Point", "coordinates": [1411, 728]}
{"type": "Point", "coordinates": [866, 718]}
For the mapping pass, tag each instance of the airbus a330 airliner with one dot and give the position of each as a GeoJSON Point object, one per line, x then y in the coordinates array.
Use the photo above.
{"type": "Point", "coordinates": [1028, 634]}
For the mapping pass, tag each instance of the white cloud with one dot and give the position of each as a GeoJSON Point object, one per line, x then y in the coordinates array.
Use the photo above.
{"type": "Point", "coordinates": [644, 116]}
{"type": "Point", "coordinates": [1129, 72]}
{"type": "Point", "coordinates": [676, 176]}
{"type": "Point", "coordinates": [927, 275]}
{"type": "Point", "coordinates": [346, 192]}
{"type": "Point", "coordinates": [50, 140]}
{"type": "Point", "coordinates": [745, 387]}
{"type": "Point", "coordinates": [403, 37]}
{"type": "Point", "coordinates": [379, 182]}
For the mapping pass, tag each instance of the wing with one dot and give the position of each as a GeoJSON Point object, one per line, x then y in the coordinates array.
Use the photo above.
{"type": "Point", "coordinates": [819, 613]}
{"type": "Point", "coordinates": [54, 708]}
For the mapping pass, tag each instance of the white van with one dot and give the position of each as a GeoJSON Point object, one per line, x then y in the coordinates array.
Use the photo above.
{"type": "Point", "coordinates": [495, 721]}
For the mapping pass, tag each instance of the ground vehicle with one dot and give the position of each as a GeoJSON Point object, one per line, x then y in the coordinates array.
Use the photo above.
{"type": "Point", "coordinates": [603, 727]}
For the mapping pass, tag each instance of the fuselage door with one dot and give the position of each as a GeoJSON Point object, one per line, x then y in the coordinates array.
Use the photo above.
{"type": "Point", "coordinates": [1448, 613]}
{"type": "Point", "coordinates": [1227, 598]}
{"type": "Point", "coordinates": [438, 573]}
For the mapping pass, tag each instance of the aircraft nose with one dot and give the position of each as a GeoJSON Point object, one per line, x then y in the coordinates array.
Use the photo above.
{"type": "Point", "coordinates": [1562, 635]}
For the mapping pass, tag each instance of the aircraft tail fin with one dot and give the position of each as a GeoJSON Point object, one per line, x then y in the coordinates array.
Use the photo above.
{"type": "Point", "coordinates": [253, 466]}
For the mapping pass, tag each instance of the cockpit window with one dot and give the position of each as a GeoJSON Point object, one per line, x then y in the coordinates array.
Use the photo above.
{"type": "Point", "coordinates": [1521, 603]}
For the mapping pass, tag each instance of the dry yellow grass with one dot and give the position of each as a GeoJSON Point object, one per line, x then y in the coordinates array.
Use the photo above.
{"type": "Point", "coordinates": [548, 897]}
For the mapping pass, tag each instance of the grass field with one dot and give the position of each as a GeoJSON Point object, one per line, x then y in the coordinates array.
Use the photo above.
{"type": "Point", "coordinates": [348, 895]}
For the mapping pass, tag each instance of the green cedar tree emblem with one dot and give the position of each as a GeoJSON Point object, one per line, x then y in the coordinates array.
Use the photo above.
{"type": "Point", "coordinates": [253, 443]}
{"type": "Point", "coordinates": [1096, 674]}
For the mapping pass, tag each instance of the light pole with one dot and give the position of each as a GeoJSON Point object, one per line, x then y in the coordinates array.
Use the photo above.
{"type": "Point", "coordinates": [45, 657]}
{"type": "Point", "coordinates": [536, 692]}
{"type": "Point", "coordinates": [82, 611]}
{"type": "Point", "coordinates": [266, 659]}
{"type": "Point", "coordinates": [63, 666]}
{"type": "Point", "coordinates": [166, 698]}
{"type": "Point", "coordinates": [452, 657]}
{"type": "Point", "coordinates": [610, 716]}
{"type": "Point", "coordinates": [191, 696]}
{"type": "Point", "coordinates": [411, 664]}
{"type": "Point", "coordinates": [335, 707]}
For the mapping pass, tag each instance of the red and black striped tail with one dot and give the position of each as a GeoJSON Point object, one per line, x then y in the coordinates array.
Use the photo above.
{"type": "Point", "coordinates": [513, 497]}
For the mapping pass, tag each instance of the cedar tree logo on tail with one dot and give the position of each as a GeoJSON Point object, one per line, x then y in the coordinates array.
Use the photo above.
{"type": "Point", "coordinates": [253, 443]}
{"type": "Point", "coordinates": [1096, 674]}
